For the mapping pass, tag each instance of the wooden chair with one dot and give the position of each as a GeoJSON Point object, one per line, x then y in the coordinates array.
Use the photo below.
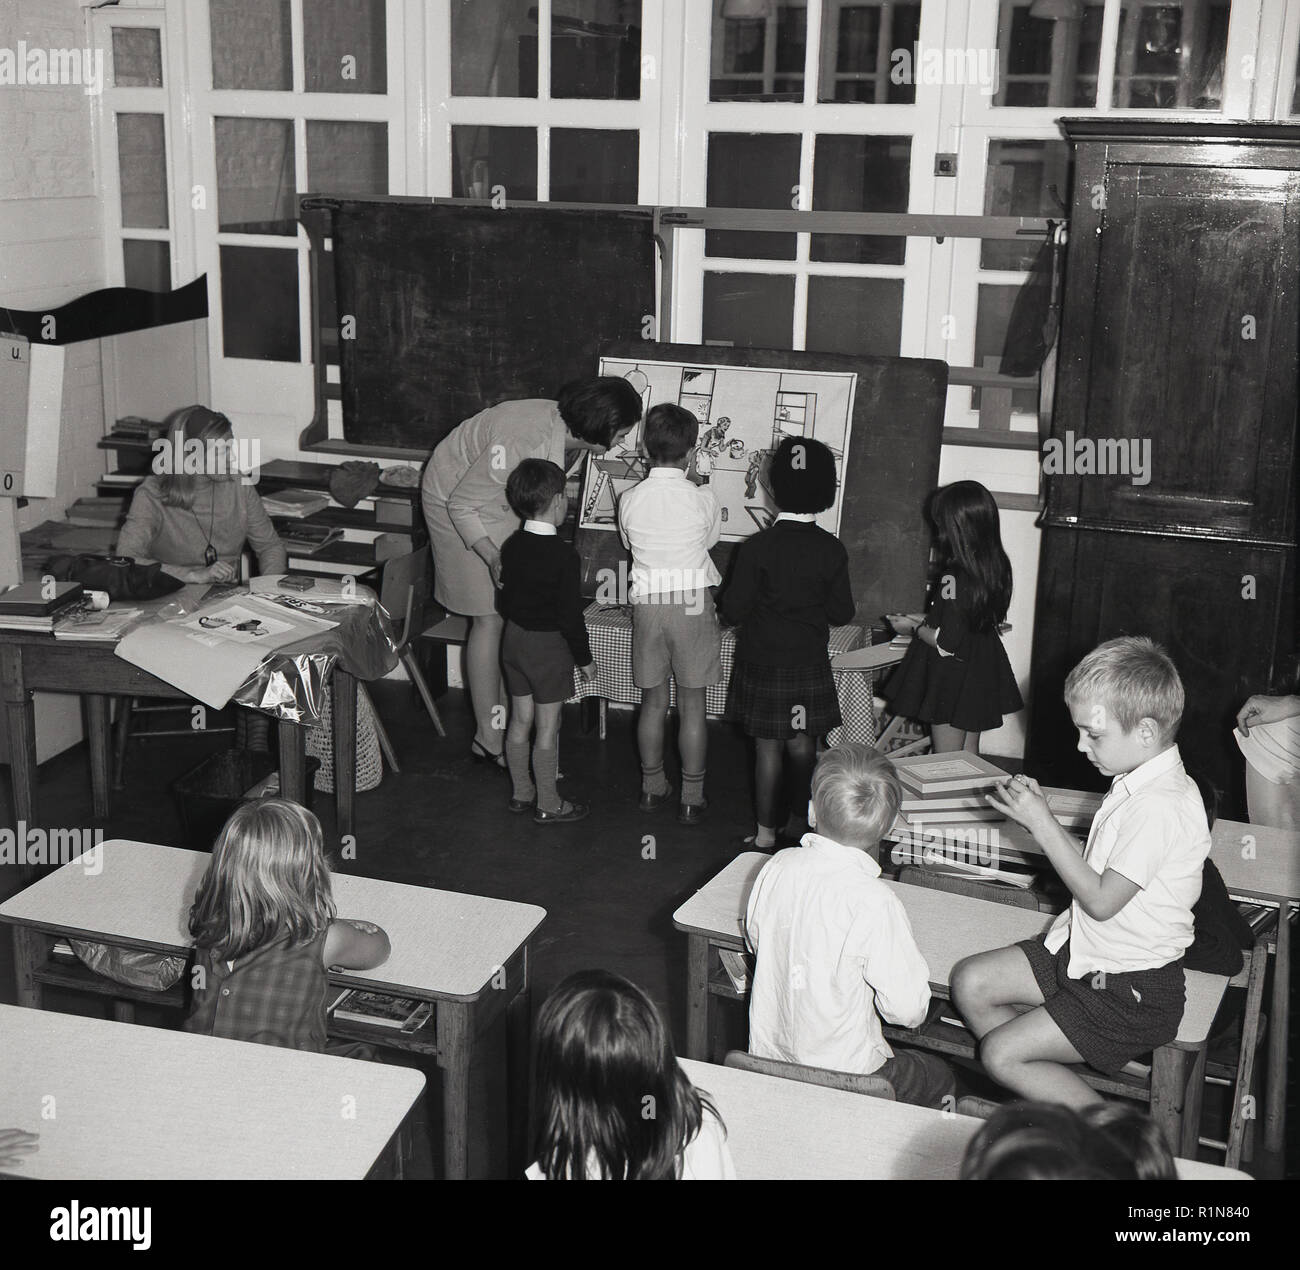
{"type": "Point", "coordinates": [405, 578]}
{"type": "Point", "coordinates": [872, 1086]}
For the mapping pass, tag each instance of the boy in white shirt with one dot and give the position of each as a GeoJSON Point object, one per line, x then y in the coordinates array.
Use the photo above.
{"type": "Point", "coordinates": [1105, 984]}
{"type": "Point", "coordinates": [834, 949]}
{"type": "Point", "coordinates": [669, 523]}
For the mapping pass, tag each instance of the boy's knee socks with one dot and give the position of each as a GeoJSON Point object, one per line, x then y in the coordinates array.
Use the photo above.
{"type": "Point", "coordinates": [546, 769]}
{"type": "Point", "coordinates": [520, 777]}
{"type": "Point", "coordinates": [692, 788]}
{"type": "Point", "coordinates": [653, 780]}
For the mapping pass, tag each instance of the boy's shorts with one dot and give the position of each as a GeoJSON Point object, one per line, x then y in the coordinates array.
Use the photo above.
{"type": "Point", "coordinates": [536, 664]}
{"type": "Point", "coordinates": [1110, 1018]}
{"type": "Point", "coordinates": [921, 1079]}
{"type": "Point", "coordinates": [677, 634]}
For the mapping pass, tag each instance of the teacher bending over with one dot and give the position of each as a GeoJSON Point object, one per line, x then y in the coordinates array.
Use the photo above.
{"type": "Point", "coordinates": [464, 499]}
{"type": "Point", "coordinates": [195, 515]}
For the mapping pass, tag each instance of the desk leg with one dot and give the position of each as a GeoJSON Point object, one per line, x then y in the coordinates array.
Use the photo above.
{"type": "Point", "coordinates": [29, 952]}
{"type": "Point", "coordinates": [1194, 1094]}
{"type": "Point", "coordinates": [455, 1049]}
{"type": "Point", "coordinates": [293, 762]}
{"type": "Point", "coordinates": [97, 742]}
{"type": "Point", "coordinates": [699, 1031]}
{"type": "Point", "coordinates": [345, 748]}
{"type": "Point", "coordinates": [1278, 1026]}
{"type": "Point", "coordinates": [20, 723]}
{"type": "Point", "coordinates": [1169, 1072]}
{"type": "Point", "coordinates": [518, 1030]}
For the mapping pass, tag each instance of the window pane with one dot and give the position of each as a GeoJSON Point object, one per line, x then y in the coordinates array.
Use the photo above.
{"type": "Point", "coordinates": [348, 159]}
{"type": "Point", "coordinates": [142, 171]}
{"type": "Point", "coordinates": [857, 49]}
{"type": "Point", "coordinates": [345, 46]}
{"type": "Point", "coordinates": [758, 50]}
{"type": "Point", "coordinates": [1050, 50]}
{"type": "Point", "coordinates": [259, 303]}
{"type": "Point", "coordinates": [991, 321]}
{"type": "Point", "coordinates": [137, 57]}
{"type": "Point", "coordinates": [855, 315]}
{"type": "Point", "coordinates": [494, 48]}
{"type": "Point", "coordinates": [256, 180]}
{"type": "Point", "coordinates": [750, 310]}
{"type": "Point", "coordinates": [483, 158]}
{"type": "Point", "coordinates": [251, 44]}
{"type": "Point", "coordinates": [1170, 57]}
{"type": "Point", "coordinates": [593, 166]}
{"type": "Point", "coordinates": [596, 48]}
{"type": "Point", "coordinates": [860, 174]}
{"type": "Point", "coordinates": [752, 170]}
{"type": "Point", "coordinates": [147, 265]}
{"type": "Point", "coordinates": [1024, 178]}
{"type": "Point", "coordinates": [1295, 92]}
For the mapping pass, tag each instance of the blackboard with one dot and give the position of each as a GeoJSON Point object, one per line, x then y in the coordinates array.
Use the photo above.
{"type": "Point", "coordinates": [456, 308]}
{"type": "Point", "coordinates": [893, 465]}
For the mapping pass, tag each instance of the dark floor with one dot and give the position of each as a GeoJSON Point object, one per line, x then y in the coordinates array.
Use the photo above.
{"type": "Point", "coordinates": [443, 822]}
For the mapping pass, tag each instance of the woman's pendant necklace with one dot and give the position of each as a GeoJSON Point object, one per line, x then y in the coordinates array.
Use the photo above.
{"type": "Point", "coordinates": [209, 552]}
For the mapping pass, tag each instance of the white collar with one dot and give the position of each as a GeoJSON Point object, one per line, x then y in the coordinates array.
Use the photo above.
{"type": "Point", "coordinates": [542, 528]}
{"type": "Point", "coordinates": [816, 840]}
{"type": "Point", "coordinates": [1145, 773]}
{"type": "Point", "coordinates": [667, 473]}
{"type": "Point", "coordinates": [802, 518]}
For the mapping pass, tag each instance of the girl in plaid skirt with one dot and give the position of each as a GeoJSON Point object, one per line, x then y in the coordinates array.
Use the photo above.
{"type": "Point", "coordinates": [789, 584]}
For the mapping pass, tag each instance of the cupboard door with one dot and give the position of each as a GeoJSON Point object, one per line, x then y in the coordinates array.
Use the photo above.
{"type": "Point", "coordinates": [1220, 609]}
{"type": "Point", "coordinates": [1187, 297]}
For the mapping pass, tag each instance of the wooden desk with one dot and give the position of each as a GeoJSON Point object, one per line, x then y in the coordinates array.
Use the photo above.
{"type": "Point", "coordinates": [784, 1130]}
{"type": "Point", "coordinates": [466, 953]}
{"type": "Point", "coordinates": [32, 662]}
{"type": "Point", "coordinates": [137, 1102]}
{"type": "Point", "coordinates": [947, 928]}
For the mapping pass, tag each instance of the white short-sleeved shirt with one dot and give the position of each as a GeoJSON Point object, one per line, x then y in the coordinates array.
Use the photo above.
{"type": "Point", "coordinates": [835, 954]}
{"type": "Point", "coordinates": [706, 1157]}
{"type": "Point", "coordinates": [1151, 828]}
{"type": "Point", "coordinates": [669, 523]}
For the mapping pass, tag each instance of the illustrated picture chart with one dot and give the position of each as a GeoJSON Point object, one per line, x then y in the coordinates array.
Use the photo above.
{"type": "Point", "coordinates": [744, 413]}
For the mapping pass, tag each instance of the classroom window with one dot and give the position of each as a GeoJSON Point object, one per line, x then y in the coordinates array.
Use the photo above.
{"type": "Point", "coordinates": [1048, 53]}
{"type": "Point", "coordinates": [142, 170]}
{"type": "Point", "coordinates": [752, 170]}
{"type": "Point", "coordinates": [259, 303]}
{"type": "Point", "coordinates": [855, 315]}
{"type": "Point", "coordinates": [252, 44]}
{"type": "Point", "coordinates": [488, 56]}
{"type": "Point", "coordinates": [345, 46]}
{"type": "Point", "coordinates": [257, 185]}
{"type": "Point", "coordinates": [757, 51]}
{"type": "Point", "coordinates": [1295, 76]}
{"type": "Point", "coordinates": [146, 264]}
{"type": "Point", "coordinates": [595, 49]}
{"type": "Point", "coordinates": [993, 315]}
{"type": "Point", "coordinates": [590, 165]}
{"type": "Point", "coordinates": [860, 174]}
{"type": "Point", "coordinates": [347, 159]}
{"type": "Point", "coordinates": [1024, 177]}
{"type": "Point", "coordinates": [137, 57]}
{"type": "Point", "coordinates": [1170, 56]}
{"type": "Point", "coordinates": [486, 158]}
{"type": "Point", "coordinates": [748, 310]}
{"type": "Point", "coordinates": [857, 42]}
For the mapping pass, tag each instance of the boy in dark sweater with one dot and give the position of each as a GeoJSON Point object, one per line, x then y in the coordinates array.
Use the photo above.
{"type": "Point", "coordinates": [545, 637]}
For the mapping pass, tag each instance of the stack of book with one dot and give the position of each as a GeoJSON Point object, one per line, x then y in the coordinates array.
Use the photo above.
{"type": "Point", "coordinates": [295, 504]}
{"type": "Point", "coordinates": [36, 606]}
{"type": "Point", "coordinates": [134, 428]}
{"type": "Point", "coordinates": [105, 626]}
{"type": "Point", "coordinates": [97, 513]}
{"type": "Point", "coordinates": [306, 540]}
{"type": "Point", "coordinates": [401, 1014]}
{"type": "Point", "coordinates": [929, 775]}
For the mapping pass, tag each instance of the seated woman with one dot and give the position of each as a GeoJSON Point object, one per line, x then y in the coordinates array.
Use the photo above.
{"type": "Point", "coordinates": [196, 523]}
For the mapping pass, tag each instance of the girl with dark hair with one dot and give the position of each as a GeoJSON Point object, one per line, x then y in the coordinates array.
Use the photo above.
{"type": "Point", "coordinates": [788, 585]}
{"type": "Point", "coordinates": [613, 1105]}
{"type": "Point", "coordinates": [463, 494]}
{"type": "Point", "coordinates": [956, 675]}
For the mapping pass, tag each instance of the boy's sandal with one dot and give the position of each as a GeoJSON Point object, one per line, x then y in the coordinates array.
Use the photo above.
{"type": "Point", "coordinates": [567, 815]}
{"type": "Point", "coordinates": [521, 805]}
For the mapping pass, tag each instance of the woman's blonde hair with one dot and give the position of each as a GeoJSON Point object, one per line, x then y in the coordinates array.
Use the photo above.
{"type": "Point", "coordinates": [268, 878]}
{"type": "Point", "coordinates": [189, 423]}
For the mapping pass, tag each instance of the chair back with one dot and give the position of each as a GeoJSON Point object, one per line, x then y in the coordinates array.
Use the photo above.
{"type": "Point", "coordinates": [872, 1086]}
{"type": "Point", "coordinates": [915, 875]}
{"type": "Point", "coordinates": [405, 579]}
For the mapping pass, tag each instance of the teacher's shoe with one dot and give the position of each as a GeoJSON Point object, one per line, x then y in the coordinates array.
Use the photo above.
{"type": "Point", "coordinates": [652, 802]}
{"type": "Point", "coordinates": [692, 813]}
{"type": "Point", "coordinates": [574, 812]}
{"type": "Point", "coordinates": [481, 754]}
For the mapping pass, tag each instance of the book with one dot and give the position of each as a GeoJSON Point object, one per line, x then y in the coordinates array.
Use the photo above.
{"type": "Point", "coordinates": [942, 802]}
{"type": "Point", "coordinates": [30, 599]}
{"type": "Point", "coordinates": [960, 772]}
{"type": "Point", "coordinates": [308, 538]}
{"type": "Point", "coordinates": [104, 625]}
{"type": "Point", "coordinates": [923, 815]}
{"type": "Point", "coordinates": [403, 1014]}
{"type": "Point", "coordinates": [295, 503]}
{"type": "Point", "coordinates": [736, 966]}
{"type": "Point", "coordinates": [1074, 808]}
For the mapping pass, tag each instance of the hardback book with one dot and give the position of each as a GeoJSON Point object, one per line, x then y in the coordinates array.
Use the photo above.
{"type": "Point", "coordinates": [29, 599]}
{"type": "Point", "coordinates": [940, 802]}
{"type": "Point", "coordinates": [295, 503]}
{"type": "Point", "coordinates": [923, 815]}
{"type": "Point", "coordinates": [103, 625]}
{"type": "Point", "coordinates": [736, 967]}
{"type": "Point", "coordinates": [1074, 808]}
{"type": "Point", "coordinates": [403, 1014]}
{"type": "Point", "coordinates": [958, 772]}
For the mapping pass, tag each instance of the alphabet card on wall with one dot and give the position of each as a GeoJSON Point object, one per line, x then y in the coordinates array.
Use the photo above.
{"type": "Point", "coordinates": [744, 413]}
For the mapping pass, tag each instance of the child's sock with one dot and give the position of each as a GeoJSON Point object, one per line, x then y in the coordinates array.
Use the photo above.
{"type": "Point", "coordinates": [692, 788]}
{"type": "Point", "coordinates": [653, 780]}
{"type": "Point", "coordinates": [517, 760]}
{"type": "Point", "coordinates": [546, 767]}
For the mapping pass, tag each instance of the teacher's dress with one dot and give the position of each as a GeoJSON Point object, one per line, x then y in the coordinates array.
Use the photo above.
{"type": "Point", "coordinates": [463, 494]}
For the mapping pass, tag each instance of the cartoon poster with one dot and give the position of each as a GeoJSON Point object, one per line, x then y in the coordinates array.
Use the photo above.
{"type": "Point", "coordinates": [744, 413]}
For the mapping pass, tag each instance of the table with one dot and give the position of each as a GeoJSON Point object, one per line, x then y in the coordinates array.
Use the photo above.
{"type": "Point", "coordinates": [609, 627]}
{"type": "Point", "coordinates": [781, 1129]}
{"type": "Point", "coordinates": [467, 954]}
{"type": "Point", "coordinates": [138, 1102]}
{"type": "Point", "coordinates": [947, 928]}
